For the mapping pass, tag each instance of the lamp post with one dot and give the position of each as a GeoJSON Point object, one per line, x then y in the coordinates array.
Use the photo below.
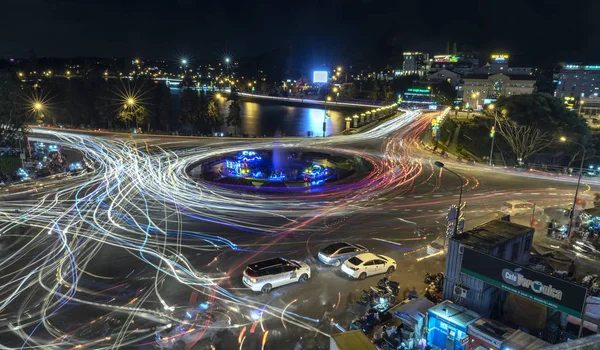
{"type": "Point", "coordinates": [441, 165]}
{"type": "Point", "coordinates": [564, 139]}
{"type": "Point", "coordinates": [492, 133]}
{"type": "Point", "coordinates": [328, 99]}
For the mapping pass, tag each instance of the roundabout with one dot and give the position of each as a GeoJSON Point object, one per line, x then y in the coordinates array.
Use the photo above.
{"type": "Point", "coordinates": [284, 169]}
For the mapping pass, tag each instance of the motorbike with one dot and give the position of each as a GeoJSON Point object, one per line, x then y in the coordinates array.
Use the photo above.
{"type": "Point", "coordinates": [438, 278]}
{"type": "Point", "coordinates": [589, 279]}
{"type": "Point", "coordinates": [366, 297]}
{"type": "Point", "coordinates": [377, 296]}
{"type": "Point", "coordinates": [392, 287]}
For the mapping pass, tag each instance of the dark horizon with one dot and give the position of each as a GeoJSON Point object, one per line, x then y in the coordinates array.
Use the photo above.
{"type": "Point", "coordinates": [318, 30]}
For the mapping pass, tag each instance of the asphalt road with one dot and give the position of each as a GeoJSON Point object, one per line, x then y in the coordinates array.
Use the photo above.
{"type": "Point", "coordinates": [112, 257]}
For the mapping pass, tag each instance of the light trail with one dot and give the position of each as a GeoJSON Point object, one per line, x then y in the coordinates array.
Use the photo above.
{"type": "Point", "coordinates": [137, 201]}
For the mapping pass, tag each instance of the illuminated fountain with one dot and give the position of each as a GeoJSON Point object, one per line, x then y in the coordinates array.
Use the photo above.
{"type": "Point", "coordinates": [281, 168]}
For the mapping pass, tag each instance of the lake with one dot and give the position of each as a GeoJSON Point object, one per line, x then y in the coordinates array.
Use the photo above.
{"type": "Point", "coordinates": [268, 118]}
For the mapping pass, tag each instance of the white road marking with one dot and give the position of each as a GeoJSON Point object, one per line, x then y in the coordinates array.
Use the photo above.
{"type": "Point", "coordinates": [407, 221]}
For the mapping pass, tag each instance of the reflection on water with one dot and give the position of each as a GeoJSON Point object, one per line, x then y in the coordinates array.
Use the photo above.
{"type": "Point", "coordinates": [270, 119]}
{"type": "Point", "coordinates": [266, 118]}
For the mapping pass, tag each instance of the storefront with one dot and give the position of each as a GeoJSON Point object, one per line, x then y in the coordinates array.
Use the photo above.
{"type": "Point", "coordinates": [447, 324]}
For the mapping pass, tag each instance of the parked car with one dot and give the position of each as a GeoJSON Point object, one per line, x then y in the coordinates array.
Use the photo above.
{"type": "Point", "coordinates": [262, 276]}
{"type": "Point", "coordinates": [368, 264]}
{"type": "Point", "coordinates": [335, 254]}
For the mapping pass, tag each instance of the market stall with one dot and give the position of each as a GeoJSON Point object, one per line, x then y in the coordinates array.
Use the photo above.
{"type": "Point", "coordinates": [447, 325]}
{"type": "Point", "coordinates": [412, 315]}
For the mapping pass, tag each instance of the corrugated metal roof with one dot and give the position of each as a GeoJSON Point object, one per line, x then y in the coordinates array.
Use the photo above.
{"type": "Point", "coordinates": [524, 341]}
{"type": "Point", "coordinates": [491, 234]}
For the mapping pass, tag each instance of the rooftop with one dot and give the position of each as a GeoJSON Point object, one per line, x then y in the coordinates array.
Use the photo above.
{"type": "Point", "coordinates": [352, 340]}
{"type": "Point", "coordinates": [454, 313]}
{"type": "Point", "coordinates": [491, 234]}
{"type": "Point", "coordinates": [511, 76]}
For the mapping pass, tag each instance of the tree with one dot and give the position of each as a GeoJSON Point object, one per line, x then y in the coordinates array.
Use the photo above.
{"type": "Point", "coordinates": [524, 140]}
{"type": "Point", "coordinates": [348, 90]}
{"type": "Point", "coordinates": [125, 115]}
{"type": "Point", "coordinates": [13, 116]}
{"type": "Point", "coordinates": [164, 107]}
{"type": "Point", "coordinates": [141, 116]}
{"type": "Point", "coordinates": [385, 93]}
{"type": "Point", "coordinates": [545, 112]}
{"type": "Point", "coordinates": [548, 117]}
{"type": "Point", "coordinates": [214, 113]}
{"type": "Point", "coordinates": [234, 118]}
{"type": "Point", "coordinates": [444, 93]}
{"type": "Point", "coordinates": [189, 113]}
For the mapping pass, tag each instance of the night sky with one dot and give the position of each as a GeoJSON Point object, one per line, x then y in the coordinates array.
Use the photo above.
{"type": "Point", "coordinates": [535, 32]}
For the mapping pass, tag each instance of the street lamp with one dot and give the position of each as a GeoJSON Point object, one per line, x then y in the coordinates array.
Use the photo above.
{"type": "Point", "coordinates": [492, 132]}
{"type": "Point", "coordinates": [564, 139]}
{"type": "Point", "coordinates": [441, 165]}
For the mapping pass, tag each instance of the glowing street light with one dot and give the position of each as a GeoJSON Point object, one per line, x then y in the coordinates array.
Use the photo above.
{"type": "Point", "coordinates": [21, 74]}
{"type": "Point", "coordinates": [564, 139]}
{"type": "Point", "coordinates": [328, 98]}
{"type": "Point", "coordinates": [184, 61]}
{"type": "Point", "coordinates": [38, 106]}
{"type": "Point", "coordinates": [227, 59]}
{"type": "Point", "coordinates": [130, 101]}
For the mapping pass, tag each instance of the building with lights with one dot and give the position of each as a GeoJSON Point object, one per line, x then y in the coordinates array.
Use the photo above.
{"type": "Point", "coordinates": [499, 63]}
{"type": "Point", "coordinates": [576, 80]}
{"type": "Point", "coordinates": [415, 63]}
{"type": "Point", "coordinates": [588, 108]}
{"type": "Point", "coordinates": [453, 78]}
{"type": "Point", "coordinates": [478, 90]}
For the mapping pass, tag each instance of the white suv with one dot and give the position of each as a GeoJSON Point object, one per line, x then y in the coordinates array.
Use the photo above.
{"type": "Point", "coordinates": [262, 276]}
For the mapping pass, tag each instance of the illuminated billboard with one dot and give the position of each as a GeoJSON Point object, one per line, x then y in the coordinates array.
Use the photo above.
{"type": "Point", "coordinates": [319, 76]}
{"type": "Point", "coordinates": [500, 57]}
{"type": "Point", "coordinates": [446, 58]}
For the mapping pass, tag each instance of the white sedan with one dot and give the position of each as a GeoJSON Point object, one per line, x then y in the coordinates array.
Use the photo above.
{"type": "Point", "coordinates": [368, 264]}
